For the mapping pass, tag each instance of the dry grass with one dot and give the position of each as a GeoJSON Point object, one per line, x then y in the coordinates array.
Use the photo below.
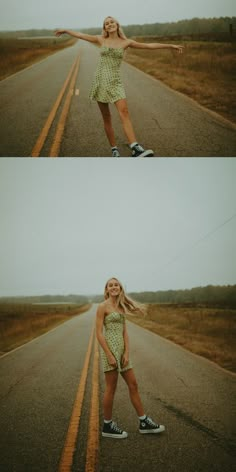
{"type": "Point", "coordinates": [20, 323]}
{"type": "Point", "coordinates": [209, 332]}
{"type": "Point", "coordinates": [16, 54]}
{"type": "Point", "coordinates": [206, 71]}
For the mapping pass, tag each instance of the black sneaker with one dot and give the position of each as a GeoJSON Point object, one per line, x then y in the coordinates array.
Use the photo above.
{"type": "Point", "coordinates": [148, 426]}
{"type": "Point", "coordinates": [115, 152]}
{"type": "Point", "coordinates": [139, 151]}
{"type": "Point", "coordinates": [111, 430]}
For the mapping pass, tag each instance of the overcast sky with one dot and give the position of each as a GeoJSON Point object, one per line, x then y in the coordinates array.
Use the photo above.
{"type": "Point", "coordinates": [67, 225]}
{"type": "Point", "coordinates": [27, 14]}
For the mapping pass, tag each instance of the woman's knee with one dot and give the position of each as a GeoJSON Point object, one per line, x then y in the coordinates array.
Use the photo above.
{"type": "Point", "coordinates": [111, 382]}
{"type": "Point", "coordinates": [105, 111]}
{"type": "Point", "coordinates": [106, 115]}
{"type": "Point", "coordinates": [110, 389]}
{"type": "Point", "coordinates": [124, 112]}
{"type": "Point", "coordinates": [107, 121]}
{"type": "Point", "coordinates": [133, 386]}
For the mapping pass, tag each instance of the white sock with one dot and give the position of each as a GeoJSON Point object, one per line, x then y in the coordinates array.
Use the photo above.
{"type": "Point", "coordinates": [142, 417]}
{"type": "Point", "coordinates": [132, 145]}
{"type": "Point", "coordinates": [107, 421]}
{"type": "Point", "coordinates": [114, 147]}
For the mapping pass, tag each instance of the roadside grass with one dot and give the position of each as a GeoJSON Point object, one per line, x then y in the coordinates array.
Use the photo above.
{"type": "Point", "coordinates": [16, 54]}
{"type": "Point", "coordinates": [207, 331]}
{"type": "Point", "coordinates": [206, 71]}
{"type": "Point", "coordinates": [19, 323]}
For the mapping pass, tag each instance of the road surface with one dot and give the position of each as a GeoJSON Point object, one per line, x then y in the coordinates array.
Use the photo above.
{"type": "Point", "coordinates": [194, 398]}
{"type": "Point", "coordinates": [168, 122]}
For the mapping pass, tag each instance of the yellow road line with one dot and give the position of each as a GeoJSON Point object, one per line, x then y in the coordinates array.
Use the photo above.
{"type": "Point", "coordinates": [93, 434]}
{"type": "Point", "coordinates": [55, 148]}
{"type": "Point", "coordinates": [69, 447]}
{"type": "Point", "coordinates": [43, 135]}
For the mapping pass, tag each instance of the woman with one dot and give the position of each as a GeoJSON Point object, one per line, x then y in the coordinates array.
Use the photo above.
{"type": "Point", "coordinates": [107, 86]}
{"type": "Point", "coordinates": [115, 358]}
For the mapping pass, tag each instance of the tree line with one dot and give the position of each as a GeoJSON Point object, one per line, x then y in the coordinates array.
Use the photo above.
{"type": "Point", "coordinates": [209, 295]}
{"type": "Point", "coordinates": [73, 298]}
{"type": "Point", "coordinates": [225, 26]}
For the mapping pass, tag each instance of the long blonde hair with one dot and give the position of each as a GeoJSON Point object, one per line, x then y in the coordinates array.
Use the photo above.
{"type": "Point", "coordinates": [124, 302]}
{"type": "Point", "coordinates": [120, 31]}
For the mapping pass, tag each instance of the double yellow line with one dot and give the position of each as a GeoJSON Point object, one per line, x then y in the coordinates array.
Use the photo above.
{"type": "Point", "coordinates": [55, 148]}
{"type": "Point", "coordinates": [93, 431]}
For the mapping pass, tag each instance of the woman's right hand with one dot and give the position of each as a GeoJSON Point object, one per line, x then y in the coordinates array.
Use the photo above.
{"type": "Point", "coordinates": [60, 32]}
{"type": "Point", "coordinates": [112, 360]}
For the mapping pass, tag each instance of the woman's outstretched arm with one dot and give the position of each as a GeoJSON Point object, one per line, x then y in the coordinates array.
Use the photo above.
{"type": "Point", "coordinates": [86, 37]}
{"type": "Point", "coordinates": [137, 45]}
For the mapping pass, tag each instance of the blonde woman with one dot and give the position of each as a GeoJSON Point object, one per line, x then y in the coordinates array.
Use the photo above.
{"type": "Point", "coordinates": [107, 86]}
{"type": "Point", "coordinates": [115, 358]}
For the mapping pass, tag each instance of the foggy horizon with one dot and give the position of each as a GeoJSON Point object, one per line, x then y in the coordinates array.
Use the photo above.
{"type": "Point", "coordinates": [74, 27]}
{"type": "Point", "coordinates": [57, 14]}
{"type": "Point", "coordinates": [68, 294]}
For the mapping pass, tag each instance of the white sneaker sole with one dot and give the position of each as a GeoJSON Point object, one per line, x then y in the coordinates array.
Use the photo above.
{"type": "Point", "coordinates": [115, 436]}
{"type": "Point", "coordinates": [153, 431]}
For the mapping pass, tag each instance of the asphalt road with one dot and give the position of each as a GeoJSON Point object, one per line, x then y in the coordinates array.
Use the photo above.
{"type": "Point", "coordinates": [194, 399]}
{"type": "Point", "coordinates": [168, 122]}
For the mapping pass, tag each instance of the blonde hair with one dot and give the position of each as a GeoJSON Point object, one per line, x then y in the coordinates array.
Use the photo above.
{"type": "Point", "coordinates": [120, 31]}
{"type": "Point", "coordinates": [123, 301]}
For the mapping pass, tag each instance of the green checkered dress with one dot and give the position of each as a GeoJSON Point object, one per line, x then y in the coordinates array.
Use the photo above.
{"type": "Point", "coordinates": [107, 86]}
{"type": "Point", "coordinates": [114, 326]}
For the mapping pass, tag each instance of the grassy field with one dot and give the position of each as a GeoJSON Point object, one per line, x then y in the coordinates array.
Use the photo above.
{"type": "Point", "coordinates": [206, 71]}
{"type": "Point", "coordinates": [16, 54]}
{"type": "Point", "coordinates": [20, 323]}
{"type": "Point", "coordinates": [207, 331]}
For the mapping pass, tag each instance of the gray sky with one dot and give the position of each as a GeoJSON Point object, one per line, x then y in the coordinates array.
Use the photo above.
{"type": "Point", "coordinates": [67, 225]}
{"type": "Point", "coordinates": [28, 14]}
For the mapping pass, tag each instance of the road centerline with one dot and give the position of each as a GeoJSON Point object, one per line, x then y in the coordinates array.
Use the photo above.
{"type": "Point", "coordinates": [66, 460]}
{"type": "Point", "coordinates": [93, 433]}
{"type": "Point", "coordinates": [46, 128]}
{"type": "Point", "coordinates": [55, 148]}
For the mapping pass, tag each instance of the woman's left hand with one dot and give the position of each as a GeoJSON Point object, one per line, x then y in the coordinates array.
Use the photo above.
{"type": "Point", "coordinates": [125, 359]}
{"type": "Point", "coordinates": [178, 49]}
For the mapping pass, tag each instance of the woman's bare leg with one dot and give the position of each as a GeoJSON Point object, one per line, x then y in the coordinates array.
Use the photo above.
{"type": "Point", "coordinates": [111, 378]}
{"type": "Point", "coordinates": [130, 379]}
{"type": "Point", "coordinates": [104, 108]}
{"type": "Point", "coordinates": [123, 111]}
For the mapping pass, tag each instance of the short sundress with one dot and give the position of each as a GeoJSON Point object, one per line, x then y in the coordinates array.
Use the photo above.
{"type": "Point", "coordinates": [114, 326]}
{"type": "Point", "coordinates": [107, 86]}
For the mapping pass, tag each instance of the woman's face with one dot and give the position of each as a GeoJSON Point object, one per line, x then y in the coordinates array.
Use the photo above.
{"type": "Point", "coordinates": [113, 288]}
{"type": "Point", "coordinates": [110, 25]}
